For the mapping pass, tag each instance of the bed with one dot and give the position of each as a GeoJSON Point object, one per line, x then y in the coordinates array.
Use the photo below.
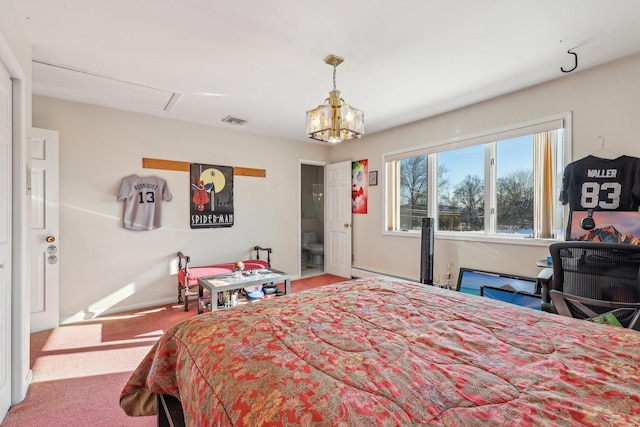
{"type": "Point", "coordinates": [387, 352]}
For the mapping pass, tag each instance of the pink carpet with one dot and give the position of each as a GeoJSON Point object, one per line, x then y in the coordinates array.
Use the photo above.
{"type": "Point", "coordinates": [79, 369]}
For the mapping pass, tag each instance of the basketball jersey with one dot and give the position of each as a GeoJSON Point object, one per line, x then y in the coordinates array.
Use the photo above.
{"type": "Point", "coordinates": [142, 197]}
{"type": "Point", "coordinates": [594, 183]}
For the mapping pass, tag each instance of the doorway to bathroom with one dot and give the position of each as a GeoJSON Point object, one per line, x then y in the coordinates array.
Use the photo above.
{"type": "Point", "coordinates": [311, 219]}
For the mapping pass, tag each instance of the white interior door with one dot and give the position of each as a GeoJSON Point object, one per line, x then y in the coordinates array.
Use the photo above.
{"type": "Point", "coordinates": [337, 241]}
{"type": "Point", "coordinates": [5, 241]}
{"type": "Point", "coordinates": [45, 229]}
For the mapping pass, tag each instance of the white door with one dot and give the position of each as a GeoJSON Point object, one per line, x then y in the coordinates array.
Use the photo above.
{"type": "Point", "coordinates": [337, 241]}
{"type": "Point", "coordinates": [45, 228]}
{"type": "Point", "coordinates": [5, 241]}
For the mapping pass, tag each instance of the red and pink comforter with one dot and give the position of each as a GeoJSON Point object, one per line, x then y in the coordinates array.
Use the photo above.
{"type": "Point", "coordinates": [388, 352]}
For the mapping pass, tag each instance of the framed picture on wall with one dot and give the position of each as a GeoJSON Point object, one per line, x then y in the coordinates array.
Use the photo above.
{"type": "Point", "coordinates": [211, 196]}
{"type": "Point", "coordinates": [373, 178]}
{"type": "Point", "coordinates": [359, 186]}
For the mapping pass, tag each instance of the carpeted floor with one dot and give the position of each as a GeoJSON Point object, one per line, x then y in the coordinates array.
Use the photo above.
{"type": "Point", "coordinates": [79, 369]}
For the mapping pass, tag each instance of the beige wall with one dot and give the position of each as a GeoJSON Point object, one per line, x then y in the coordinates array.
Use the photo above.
{"type": "Point", "coordinates": [605, 101]}
{"type": "Point", "coordinates": [101, 263]}
{"type": "Point", "coordinates": [104, 266]}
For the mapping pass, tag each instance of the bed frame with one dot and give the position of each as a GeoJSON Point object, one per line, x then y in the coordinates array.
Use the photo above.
{"type": "Point", "coordinates": [170, 411]}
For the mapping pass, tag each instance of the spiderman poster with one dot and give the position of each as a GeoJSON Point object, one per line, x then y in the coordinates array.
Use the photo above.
{"type": "Point", "coordinates": [211, 196]}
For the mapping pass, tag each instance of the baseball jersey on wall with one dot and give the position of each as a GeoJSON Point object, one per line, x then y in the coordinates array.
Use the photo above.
{"type": "Point", "coordinates": [142, 197]}
{"type": "Point", "coordinates": [594, 183]}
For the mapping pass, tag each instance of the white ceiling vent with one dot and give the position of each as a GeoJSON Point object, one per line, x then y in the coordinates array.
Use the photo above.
{"type": "Point", "coordinates": [234, 120]}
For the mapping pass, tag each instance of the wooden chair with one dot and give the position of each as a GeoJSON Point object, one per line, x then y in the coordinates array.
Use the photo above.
{"type": "Point", "coordinates": [188, 275]}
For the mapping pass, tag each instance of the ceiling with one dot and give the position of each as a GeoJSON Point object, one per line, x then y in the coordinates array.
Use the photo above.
{"type": "Point", "coordinates": [262, 60]}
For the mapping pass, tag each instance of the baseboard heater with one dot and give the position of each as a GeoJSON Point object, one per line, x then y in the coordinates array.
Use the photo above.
{"type": "Point", "coordinates": [363, 273]}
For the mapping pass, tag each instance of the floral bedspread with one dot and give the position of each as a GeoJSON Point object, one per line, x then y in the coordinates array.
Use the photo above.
{"type": "Point", "coordinates": [388, 352]}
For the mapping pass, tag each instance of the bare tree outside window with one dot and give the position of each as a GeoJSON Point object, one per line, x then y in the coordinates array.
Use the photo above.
{"type": "Point", "coordinates": [514, 185]}
{"type": "Point", "coordinates": [413, 185]}
{"type": "Point", "coordinates": [444, 184]}
{"type": "Point", "coordinates": [413, 190]}
{"type": "Point", "coordinates": [453, 166]}
{"type": "Point", "coordinates": [515, 201]}
{"type": "Point", "coordinates": [469, 195]}
{"type": "Point", "coordinates": [448, 215]}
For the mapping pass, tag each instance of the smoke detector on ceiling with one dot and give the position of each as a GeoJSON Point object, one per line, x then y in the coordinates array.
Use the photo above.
{"type": "Point", "coordinates": [234, 120]}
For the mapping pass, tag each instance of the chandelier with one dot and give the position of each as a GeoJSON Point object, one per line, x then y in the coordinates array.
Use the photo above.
{"type": "Point", "coordinates": [334, 121]}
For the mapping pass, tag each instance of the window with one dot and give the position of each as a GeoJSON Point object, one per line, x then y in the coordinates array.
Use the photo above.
{"type": "Point", "coordinates": [503, 183]}
{"type": "Point", "coordinates": [514, 185]}
{"type": "Point", "coordinates": [461, 189]}
{"type": "Point", "coordinates": [411, 191]}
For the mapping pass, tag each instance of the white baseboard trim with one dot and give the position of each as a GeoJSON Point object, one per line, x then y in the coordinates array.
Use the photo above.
{"type": "Point", "coordinates": [363, 273]}
{"type": "Point", "coordinates": [79, 317]}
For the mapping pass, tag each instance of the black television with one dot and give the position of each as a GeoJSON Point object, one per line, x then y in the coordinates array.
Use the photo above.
{"type": "Point", "coordinates": [522, 298]}
{"type": "Point", "coordinates": [470, 280]}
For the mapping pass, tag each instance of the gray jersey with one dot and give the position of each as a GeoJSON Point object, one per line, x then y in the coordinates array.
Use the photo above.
{"type": "Point", "coordinates": [142, 197]}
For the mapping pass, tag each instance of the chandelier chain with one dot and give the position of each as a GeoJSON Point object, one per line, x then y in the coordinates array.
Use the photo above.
{"type": "Point", "coordinates": [334, 75]}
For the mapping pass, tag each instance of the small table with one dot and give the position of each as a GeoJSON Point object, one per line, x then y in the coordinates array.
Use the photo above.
{"type": "Point", "coordinates": [233, 281]}
{"type": "Point", "coordinates": [543, 263]}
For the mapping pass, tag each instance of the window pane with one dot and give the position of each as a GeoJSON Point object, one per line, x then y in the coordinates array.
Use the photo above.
{"type": "Point", "coordinates": [413, 192]}
{"type": "Point", "coordinates": [461, 189]}
{"type": "Point", "coordinates": [515, 185]}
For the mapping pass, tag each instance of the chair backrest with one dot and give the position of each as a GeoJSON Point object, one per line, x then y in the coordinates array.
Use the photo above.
{"type": "Point", "coordinates": [599, 271]}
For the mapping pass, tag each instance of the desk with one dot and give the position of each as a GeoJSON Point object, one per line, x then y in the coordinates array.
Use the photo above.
{"type": "Point", "coordinates": [232, 282]}
{"type": "Point", "coordinates": [543, 263]}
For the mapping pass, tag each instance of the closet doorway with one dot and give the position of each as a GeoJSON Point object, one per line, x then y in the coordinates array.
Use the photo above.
{"type": "Point", "coordinates": [311, 219]}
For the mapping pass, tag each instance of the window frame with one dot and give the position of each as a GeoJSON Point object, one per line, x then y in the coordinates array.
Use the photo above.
{"type": "Point", "coordinates": [555, 121]}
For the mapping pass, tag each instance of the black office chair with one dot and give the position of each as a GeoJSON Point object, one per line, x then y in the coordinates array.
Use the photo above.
{"type": "Point", "coordinates": [591, 279]}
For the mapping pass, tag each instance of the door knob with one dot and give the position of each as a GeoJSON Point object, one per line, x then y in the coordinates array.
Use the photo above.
{"type": "Point", "coordinates": [51, 239]}
{"type": "Point", "coordinates": [346, 226]}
